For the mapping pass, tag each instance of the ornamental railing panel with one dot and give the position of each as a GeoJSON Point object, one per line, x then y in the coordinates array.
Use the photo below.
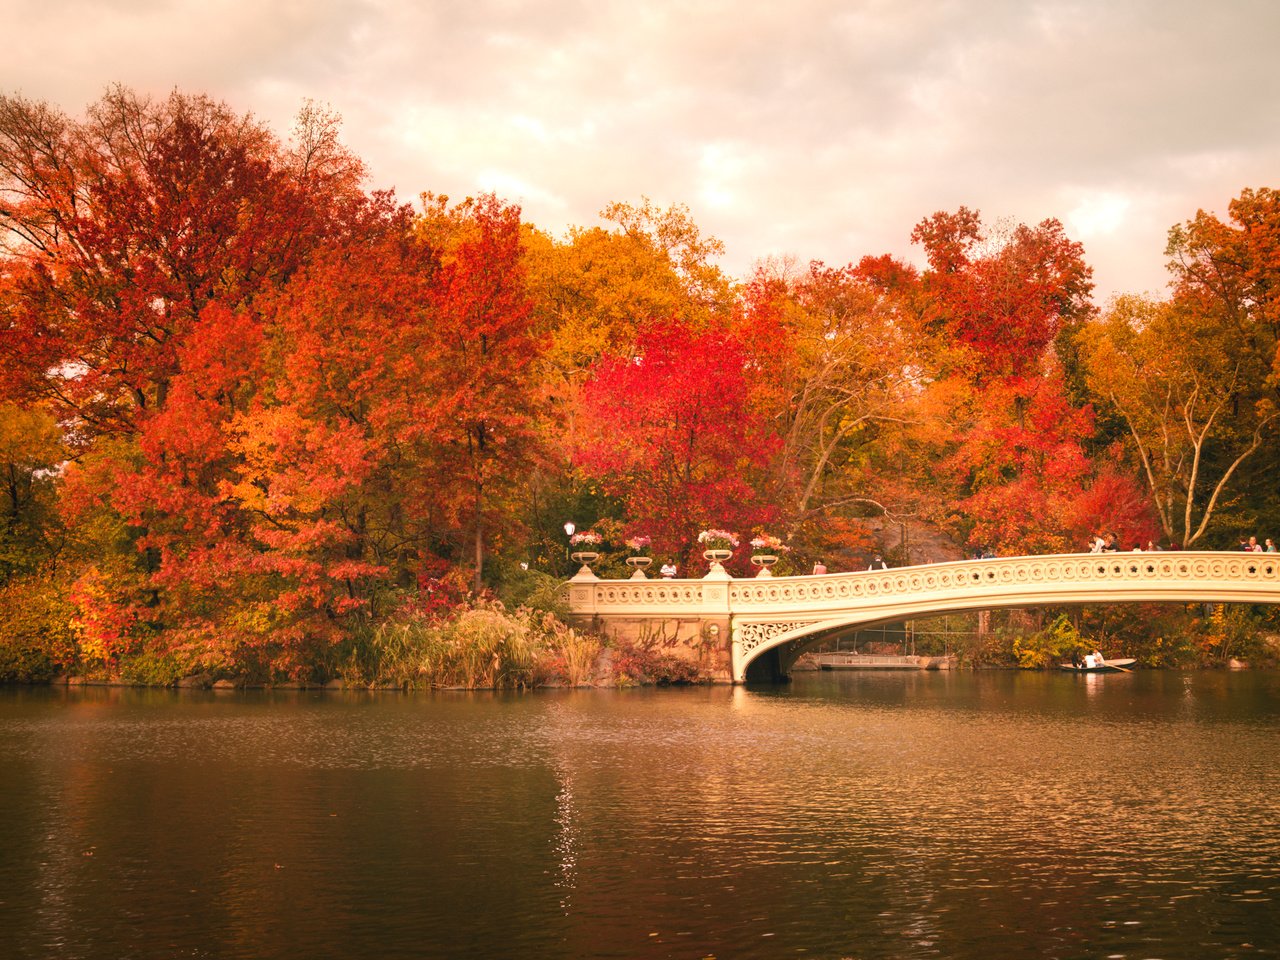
{"type": "Point", "coordinates": [972, 576]}
{"type": "Point", "coordinates": [752, 635]}
{"type": "Point", "coordinates": [1044, 579]}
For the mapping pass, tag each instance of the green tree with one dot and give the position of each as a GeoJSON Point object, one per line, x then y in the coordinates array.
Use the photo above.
{"type": "Point", "coordinates": [31, 451]}
{"type": "Point", "coordinates": [1177, 376]}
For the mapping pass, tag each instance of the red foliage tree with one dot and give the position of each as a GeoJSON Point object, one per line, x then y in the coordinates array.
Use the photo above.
{"type": "Point", "coordinates": [1033, 487]}
{"type": "Point", "coordinates": [1005, 295]}
{"type": "Point", "coordinates": [672, 434]}
{"type": "Point", "coordinates": [124, 227]}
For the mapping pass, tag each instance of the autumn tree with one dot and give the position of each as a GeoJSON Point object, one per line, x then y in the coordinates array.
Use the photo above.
{"type": "Point", "coordinates": [999, 450]}
{"type": "Point", "coordinates": [141, 244]}
{"type": "Point", "coordinates": [670, 432]}
{"type": "Point", "coordinates": [483, 352]}
{"type": "Point", "coordinates": [1005, 293]}
{"type": "Point", "coordinates": [844, 369]}
{"type": "Point", "coordinates": [1227, 270]}
{"type": "Point", "coordinates": [594, 292]}
{"type": "Point", "coordinates": [31, 451]}
{"type": "Point", "coordinates": [1029, 482]}
{"type": "Point", "coordinates": [672, 236]}
{"type": "Point", "coordinates": [1176, 375]}
{"type": "Point", "coordinates": [123, 227]}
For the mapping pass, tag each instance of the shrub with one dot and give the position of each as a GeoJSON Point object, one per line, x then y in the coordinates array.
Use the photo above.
{"type": "Point", "coordinates": [535, 590]}
{"type": "Point", "coordinates": [36, 639]}
{"type": "Point", "coordinates": [155, 668]}
{"type": "Point", "coordinates": [491, 648]}
{"type": "Point", "coordinates": [1045, 647]}
{"type": "Point", "coordinates": [1231, 632]}
{"type": "Point", "coordinates": [652, 662]}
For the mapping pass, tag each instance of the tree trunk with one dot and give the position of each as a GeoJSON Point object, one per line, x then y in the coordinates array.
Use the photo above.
{"type": "Point", "coordinates": [479, 544]}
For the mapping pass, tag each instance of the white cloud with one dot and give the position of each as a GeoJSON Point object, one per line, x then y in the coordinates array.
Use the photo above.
{"type": "Point", "coordinates": [821, 128]}
{"type": "Point", "coordinates": [1097, 214]}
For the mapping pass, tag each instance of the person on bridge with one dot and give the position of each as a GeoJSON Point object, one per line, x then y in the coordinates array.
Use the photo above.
{"type": "Point", "coordinates": [819, 568]}
{"type": "Point", "coordinates": [668, 570]}
{"type": "Point", "coordinates": [878, 563]}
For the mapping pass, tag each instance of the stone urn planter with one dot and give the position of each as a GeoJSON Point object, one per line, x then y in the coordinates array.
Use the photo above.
{"type": "Point", "coordinates": [717, 558]}
{"type": "Point", "coordinates": [764, 561]}
{"type": "Point", "coordinates": [586, 558]}
{"type": "Point", "coordinates": [639, 565]}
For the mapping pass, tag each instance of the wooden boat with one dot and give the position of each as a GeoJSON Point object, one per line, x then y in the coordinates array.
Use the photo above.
{"type": "Point", "coordinates": [1120, 665]}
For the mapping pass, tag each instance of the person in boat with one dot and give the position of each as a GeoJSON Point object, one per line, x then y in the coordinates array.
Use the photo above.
{"type": "Point", "coordinates": [1075, 659]}
{"type": "Point", "coordinates": [1099, 659]}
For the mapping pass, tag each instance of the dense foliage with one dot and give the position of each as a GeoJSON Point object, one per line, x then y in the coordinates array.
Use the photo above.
{"type": "Point", "coordinates": [258, 420]}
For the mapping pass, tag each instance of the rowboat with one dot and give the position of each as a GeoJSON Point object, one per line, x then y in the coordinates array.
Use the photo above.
{"type": "Point", "coordinates": [1100, 666]}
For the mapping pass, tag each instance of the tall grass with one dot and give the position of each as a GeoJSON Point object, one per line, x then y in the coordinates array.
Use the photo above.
{"type": "Point", "coordinates": [482, 645]}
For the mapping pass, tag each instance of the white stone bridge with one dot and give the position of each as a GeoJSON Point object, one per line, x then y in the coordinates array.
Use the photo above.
{"type": "Point", "coordinates": [754, 629]}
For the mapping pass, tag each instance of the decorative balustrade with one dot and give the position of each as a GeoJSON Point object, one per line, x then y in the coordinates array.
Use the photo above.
{"type": "Point", "coordinates": [1043, 573]}
{"type": "Point", "coordinates": [664, 592]}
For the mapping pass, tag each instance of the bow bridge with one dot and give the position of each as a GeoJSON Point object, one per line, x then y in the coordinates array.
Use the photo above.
{"type": "Point", "coordinates": [755, 628]}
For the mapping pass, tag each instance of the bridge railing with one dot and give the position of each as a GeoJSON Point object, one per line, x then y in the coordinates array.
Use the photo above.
{"type": "Point", "coordinates": [1003, 573]}
{"type": "Point", "coordinates": [1069, 574]}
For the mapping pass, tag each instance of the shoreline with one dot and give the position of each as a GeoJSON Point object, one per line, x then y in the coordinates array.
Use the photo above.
{"type": "Point", "coordinates": [340, 686]}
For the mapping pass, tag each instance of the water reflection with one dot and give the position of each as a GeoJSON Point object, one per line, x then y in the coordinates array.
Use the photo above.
{"type": "Point", "coordinates": [903, 815]}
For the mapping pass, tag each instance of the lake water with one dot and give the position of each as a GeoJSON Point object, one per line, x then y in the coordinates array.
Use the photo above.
{"type": "Point", "coordinates": [988, 815]}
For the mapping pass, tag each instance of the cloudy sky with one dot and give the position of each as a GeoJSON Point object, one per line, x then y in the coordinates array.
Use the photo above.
{"type": "Point", "coordinates": [814, 128]}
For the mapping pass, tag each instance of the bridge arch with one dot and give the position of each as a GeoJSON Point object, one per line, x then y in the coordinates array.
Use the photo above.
{"type": "Point", "coordinates": [779, 620]}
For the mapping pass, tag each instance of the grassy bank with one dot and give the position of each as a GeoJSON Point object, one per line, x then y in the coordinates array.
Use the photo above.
{"type": "Point", "coordinates": [466, 642]}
